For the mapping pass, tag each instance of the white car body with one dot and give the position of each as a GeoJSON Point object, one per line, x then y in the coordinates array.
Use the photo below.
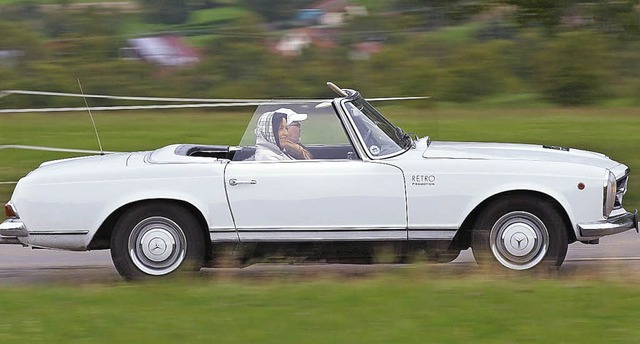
{"type": "Point", "coordinates": [424, 193]}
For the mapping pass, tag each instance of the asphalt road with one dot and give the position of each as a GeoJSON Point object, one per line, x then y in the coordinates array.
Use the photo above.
{"type": "Point", "coordinates": [20, 266]}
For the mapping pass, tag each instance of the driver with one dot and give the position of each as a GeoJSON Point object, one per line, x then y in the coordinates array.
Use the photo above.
{"type": "Point", "coordinates": [272, 136]}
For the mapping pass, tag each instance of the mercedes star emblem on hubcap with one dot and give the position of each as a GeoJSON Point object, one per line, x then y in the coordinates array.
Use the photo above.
{"type": "Point", "coordinates": [157, 246]}
{"type": "Point", "coordinates": [519, 241]}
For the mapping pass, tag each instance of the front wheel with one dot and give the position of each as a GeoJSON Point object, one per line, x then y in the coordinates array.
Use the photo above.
{"type": "Point", "coordinates": [157, 239]}
{"type": "Point", "coordinates": [520, 234]}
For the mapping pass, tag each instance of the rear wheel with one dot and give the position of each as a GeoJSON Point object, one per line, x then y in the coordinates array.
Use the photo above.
{"type": "Point", "coordinates": [520, 234]}
{"type": "Point", "coordinates": [157, 239]}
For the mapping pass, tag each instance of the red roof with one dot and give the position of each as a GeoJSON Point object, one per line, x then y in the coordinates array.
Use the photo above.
{"type": "Point", "coordinates": [166, 50]}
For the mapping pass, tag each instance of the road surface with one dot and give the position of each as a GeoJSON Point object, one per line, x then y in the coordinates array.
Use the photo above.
{"type": "Point", "coordinates": [20, 265]}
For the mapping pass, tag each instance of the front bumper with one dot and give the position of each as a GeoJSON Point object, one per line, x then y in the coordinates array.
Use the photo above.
{"type": "Point", "coordinates": [612, 225]}
{"type": "Point", "coordinates": [11, 230]}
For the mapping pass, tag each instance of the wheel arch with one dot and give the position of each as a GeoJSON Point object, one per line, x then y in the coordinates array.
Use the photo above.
{"type": "Point", "coordinates": [462, 239]}
{"type": "Point", "coordinates": [102, 238]}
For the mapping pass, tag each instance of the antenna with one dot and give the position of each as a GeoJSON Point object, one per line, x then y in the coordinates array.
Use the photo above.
{"type": "Point", "coordinates": [91, 116]}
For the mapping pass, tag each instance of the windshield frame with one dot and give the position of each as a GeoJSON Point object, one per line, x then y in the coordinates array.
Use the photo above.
{"type": "Point", "coordinates": [355, 98]}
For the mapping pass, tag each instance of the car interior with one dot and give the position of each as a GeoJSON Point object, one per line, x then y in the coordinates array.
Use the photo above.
{"type": "Point", "coordinates": [320, 152]}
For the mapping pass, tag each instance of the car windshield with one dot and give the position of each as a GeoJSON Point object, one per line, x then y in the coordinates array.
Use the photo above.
{"type": "Point", "coordinates": [380, 137]}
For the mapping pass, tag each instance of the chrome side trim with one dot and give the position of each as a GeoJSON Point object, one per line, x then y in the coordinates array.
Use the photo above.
{"type": "Point", "coordinates": [59, 233]}
{"type": "Point", "coordinates": [306, 235]}
{"type": "Point", "coordinates": [612, 225]}
{"type": "Point", "coordinates": [321, 229]}
{"type": "Point", "coordinates": [224, 236]}
{"type": "Point", "coordinates": [13, 228]}
{"type": "Point", "coordinates": [430, 234]}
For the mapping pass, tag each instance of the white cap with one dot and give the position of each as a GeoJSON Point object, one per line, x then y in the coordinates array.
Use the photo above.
{"type": "Point", "coordinates": [292, 116]}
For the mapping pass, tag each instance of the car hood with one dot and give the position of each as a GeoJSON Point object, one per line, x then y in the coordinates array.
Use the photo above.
{"type": "Point", "coordinates": [77, 169]}
{"type": "Point", "coordinates": [115, 159]}
{"type": "Point", "coordinates": [510, 151]}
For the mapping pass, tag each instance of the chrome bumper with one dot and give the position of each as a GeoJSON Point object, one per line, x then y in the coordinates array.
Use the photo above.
{"type": "Point", "coordinates": [11, 230]}
{"type": "Point", "coordinates": [612, 225]}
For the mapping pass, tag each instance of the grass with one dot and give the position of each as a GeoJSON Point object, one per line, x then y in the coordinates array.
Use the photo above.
{"type": "Point", "coordinates": [200, 26]}
{"type": "Point", "coordinates": [607, 130]}
{"type": "Point", "coordinates": [395, 308]}
{"type": "Point", "coordinates": [134, 25]}
{"type": "Point", "coordinates": [213, 15]}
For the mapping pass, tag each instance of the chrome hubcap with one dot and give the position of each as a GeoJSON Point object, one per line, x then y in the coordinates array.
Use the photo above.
{"type": "Point", "coordinates": [157, 245]}
{"type": "Point", "coordinates": [519, 240]}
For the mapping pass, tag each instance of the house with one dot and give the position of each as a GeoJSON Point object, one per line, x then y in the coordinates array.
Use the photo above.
{"type": "Point", "coordinates": [319, 22]}
{"type": "Point", "coordinates": [168, 50]}
{"type": "Point", "coordinates": [364, 50]}
{"type": "Point", "coordinates": [308, 16]}
{"type": "Point", "coordinates": [329, 13]}
{"type": "Point", "coordinates": [295, 41]}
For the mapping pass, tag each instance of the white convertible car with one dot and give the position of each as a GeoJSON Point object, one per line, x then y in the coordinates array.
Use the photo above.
{"type": "Point", "coordinates": [352, 184]}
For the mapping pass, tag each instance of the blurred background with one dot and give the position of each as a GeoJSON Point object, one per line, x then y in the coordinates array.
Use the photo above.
{"type": "Point", "coordinates": [557, 72]}
{"type": "Point", "coordinates": [549, 52]}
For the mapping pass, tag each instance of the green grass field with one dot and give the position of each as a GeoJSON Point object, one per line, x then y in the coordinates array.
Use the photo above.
{"type": "Point", "coordinates": [399, 307]}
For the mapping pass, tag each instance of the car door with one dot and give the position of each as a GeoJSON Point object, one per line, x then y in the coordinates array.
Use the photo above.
{"type": "Point", "coordinates": [316, 200]}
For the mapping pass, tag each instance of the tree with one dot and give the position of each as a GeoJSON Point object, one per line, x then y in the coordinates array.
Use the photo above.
{"type": "Point", "coordinates": [165, 11]}
{"type": "Point", "coordinates": [573, 68]}
{"type": "Point", "coordinates": [27, 43]}
{"type": "Point", "coordinates": [547, 14]}
{"type": "Point", "coordinates": [438, 13]}
{"type": "Point", "coordinates": [476, 71]}
{"type": "Point", "coordinates": [618, 17]}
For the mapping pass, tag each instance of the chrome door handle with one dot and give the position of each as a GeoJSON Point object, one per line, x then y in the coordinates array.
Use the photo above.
{"type": "Point", "coordinates": [234, 182]}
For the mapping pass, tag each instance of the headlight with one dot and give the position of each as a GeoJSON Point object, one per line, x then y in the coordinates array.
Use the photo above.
{"type": "Point", "coordinates": [609, 194]}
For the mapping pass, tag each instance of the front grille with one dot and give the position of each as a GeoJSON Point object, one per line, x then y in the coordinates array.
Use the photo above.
{"type": "Point", "coordinates": [621, 186]}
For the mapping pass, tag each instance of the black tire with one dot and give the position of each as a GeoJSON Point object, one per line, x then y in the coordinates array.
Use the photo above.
{"type": "Point", "coordinates": [520, 234]}
{"type": "Point", "coordinates": [176, 236]}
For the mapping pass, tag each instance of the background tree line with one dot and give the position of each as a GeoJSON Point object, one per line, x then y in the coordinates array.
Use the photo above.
{"type": "Point", "coordinates": [568, 52]}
